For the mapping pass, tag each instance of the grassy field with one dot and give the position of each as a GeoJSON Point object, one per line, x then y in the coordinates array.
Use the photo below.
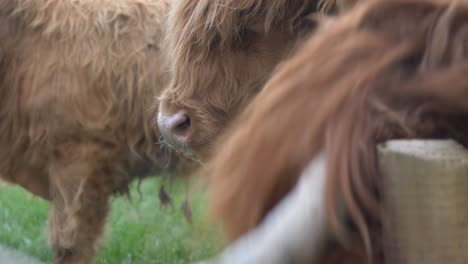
{"type": "Point", "coordinates": [139, 230]}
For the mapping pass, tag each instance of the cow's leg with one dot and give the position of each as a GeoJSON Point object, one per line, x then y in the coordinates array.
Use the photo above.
{"type": "Point", "coordinates": [80, 204]}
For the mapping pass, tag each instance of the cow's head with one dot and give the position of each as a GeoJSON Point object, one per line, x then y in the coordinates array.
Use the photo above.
{"type": "Point", "coordinates": [221, 53]}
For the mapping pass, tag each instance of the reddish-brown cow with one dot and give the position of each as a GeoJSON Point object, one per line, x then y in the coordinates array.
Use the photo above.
{"type": "Point", "coordinates": [77, 87]}
{"type": "Point", "coordinates": [387, 69]}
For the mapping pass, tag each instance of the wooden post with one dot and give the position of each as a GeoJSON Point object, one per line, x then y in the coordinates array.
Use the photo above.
{"type": "Point", "coordinates": [425, 192]}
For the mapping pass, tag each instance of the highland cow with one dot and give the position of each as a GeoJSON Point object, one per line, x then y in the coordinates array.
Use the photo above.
{"type": "Point", "coordinates": [222, 53]}
{"type": "Point", "coordinates": [77, 86]}
{"type": "Point", "coordinates": [385, 70]}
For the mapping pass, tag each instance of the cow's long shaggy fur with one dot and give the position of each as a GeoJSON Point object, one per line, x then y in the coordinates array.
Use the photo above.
{"type": "Point", "coordinates": [387, 69]}
{"type": "Point", "coordinates": [222, 52]}
{"type": "Point", "coordinates": [77, 86]}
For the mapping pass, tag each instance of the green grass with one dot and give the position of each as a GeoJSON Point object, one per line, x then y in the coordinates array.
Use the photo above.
{"type": "Point", "coordinates": [139, 231]}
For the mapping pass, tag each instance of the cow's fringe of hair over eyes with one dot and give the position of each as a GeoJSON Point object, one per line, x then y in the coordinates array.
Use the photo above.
{"type": "Point", "coordinates": [217, 25]}
{"type": "Point", "coordinates": [384, 70]}
{"type": "Point", "coordinates": [222, 22]}
{"type": "Point", "coordinates": [198, 31]}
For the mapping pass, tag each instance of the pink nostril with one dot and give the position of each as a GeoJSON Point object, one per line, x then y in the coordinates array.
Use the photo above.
{"type": "Point", "coordinates": [176, 127]}
{"type": "Point", "coordinates": [181, 125]}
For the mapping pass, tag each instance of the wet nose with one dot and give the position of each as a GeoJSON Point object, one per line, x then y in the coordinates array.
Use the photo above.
{"type": "Point", "coordinates": [175, 128]}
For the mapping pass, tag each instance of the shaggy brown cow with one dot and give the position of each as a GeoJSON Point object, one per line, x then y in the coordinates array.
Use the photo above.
{"type": "Point", "coordinates": [222, 52]}
{"type": "Point", "coordinates": [77, 84]}
{"type": "Point", "coordinates": [387, 69]}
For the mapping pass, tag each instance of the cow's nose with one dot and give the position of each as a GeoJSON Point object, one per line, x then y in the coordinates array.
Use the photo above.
{"type": "Point", "coordinates": [175, 128]}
